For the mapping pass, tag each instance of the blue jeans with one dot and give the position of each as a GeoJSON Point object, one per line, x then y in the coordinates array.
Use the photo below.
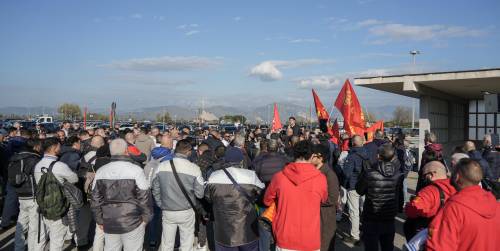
{"type": "Point", "coordinates": [10, 206]}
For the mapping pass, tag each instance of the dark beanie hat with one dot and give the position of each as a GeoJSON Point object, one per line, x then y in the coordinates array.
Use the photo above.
{"type": "Point", "coordinates": [233, 155]}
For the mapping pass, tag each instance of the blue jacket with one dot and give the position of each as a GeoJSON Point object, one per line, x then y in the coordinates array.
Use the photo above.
{"type": "Point", "coordinates": [353, 166]}
{"type": "Point", "coordinates": [476, 155]}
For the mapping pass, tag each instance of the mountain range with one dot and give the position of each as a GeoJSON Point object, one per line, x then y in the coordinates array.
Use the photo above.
{"type": "Point", "coordinates": [261, 113]}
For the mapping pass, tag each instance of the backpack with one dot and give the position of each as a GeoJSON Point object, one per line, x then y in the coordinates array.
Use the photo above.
{"type": "Point", "coordinates": [87, 171]}
{"type": "Point", "coordinates": [52, 202]}
{"type": "Point", "coordinates": [20, 173]}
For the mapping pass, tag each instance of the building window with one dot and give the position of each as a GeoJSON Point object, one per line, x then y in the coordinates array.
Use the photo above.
{"type": "Point", "coordinates": [480, 122]}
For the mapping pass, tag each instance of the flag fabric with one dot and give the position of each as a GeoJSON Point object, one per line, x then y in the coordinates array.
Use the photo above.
{"type": "Point", "coordinates": [348, 104]}
{"type": "Point", "coordinates": [371, 130]}
{"type": "Point", "coordinates": [320, 108]}
{"type": "Point", "coordinates": [85, 118]}
{"type": "Point", "coordinates": [334, 131]}
{"type": "Point", "coordinates": [276, 124]}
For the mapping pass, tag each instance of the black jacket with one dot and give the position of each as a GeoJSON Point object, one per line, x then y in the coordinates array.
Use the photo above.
{"type": "Point", "coordinates": [266, 165]}
{"type": "Point", "coordinates": [212, 142]}
{"type": "Point", "coordinates": [235, 216]}
{"type": "Point", "coordinates": [70, 157]}
{"type": "Point", "coordinates": [383, 187]}
{"type": "Point", "coordinates": [487, 172]}
{"type": "Point", "coordinates": [493, 158]}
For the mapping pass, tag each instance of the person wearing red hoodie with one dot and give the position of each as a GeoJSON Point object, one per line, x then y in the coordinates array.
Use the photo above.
{"type": "Point", "coordinates": [298, 191]}
{"type": "Point", "coordinates": [429, 200]}
{"type": "Point", "coordinates": [470, 219]}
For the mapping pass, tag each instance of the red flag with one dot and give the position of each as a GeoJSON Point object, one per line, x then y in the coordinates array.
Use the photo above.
{"type": "Point", "coordinates": [320, 109]}
{"type": "Point", "coordinates": [276, 125]}
{"type": "Point", "coordinates": [370, 131]}
{"type": "Point", "coordinates": [348, 104]}
{"type": "Point", "coordinates": [85, 118]}
{"type": "Point", "coordinates": [334, 131]}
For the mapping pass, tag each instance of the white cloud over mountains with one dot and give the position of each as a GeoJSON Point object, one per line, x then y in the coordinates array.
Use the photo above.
{"type": "Point", "coordinates": [164, 64]}
{"type": "Point", "coordinates": [271, 70]}
{"type": "Point", "coordinates": [319, 82]}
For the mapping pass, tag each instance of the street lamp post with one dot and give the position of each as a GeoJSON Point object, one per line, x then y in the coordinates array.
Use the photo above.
{"type": "Point", "coordinates": [414, 54]}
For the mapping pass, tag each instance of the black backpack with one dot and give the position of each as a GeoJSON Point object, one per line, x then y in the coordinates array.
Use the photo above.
{"type": "Point", "coordinates": [20, 173]}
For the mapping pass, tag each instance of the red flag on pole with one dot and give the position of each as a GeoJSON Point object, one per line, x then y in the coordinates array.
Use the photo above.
{"type": "Point", "coordinates": [85, 118]}
{"type": "Point", "coordinates": [348, 104]}
{"type": "Point", "coordinates": [320, 109]}
{"type": "Point", "coordinates": [276, 125]}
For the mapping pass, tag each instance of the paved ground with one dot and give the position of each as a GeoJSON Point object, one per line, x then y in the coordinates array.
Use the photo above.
{"type": "Point", "coordinates": [7, 237]}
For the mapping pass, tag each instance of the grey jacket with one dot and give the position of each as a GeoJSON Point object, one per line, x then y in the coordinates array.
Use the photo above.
{"type": "Point", "coordinates": [121, 199]}
{"type": "Point", "coordinates": [168, 196]}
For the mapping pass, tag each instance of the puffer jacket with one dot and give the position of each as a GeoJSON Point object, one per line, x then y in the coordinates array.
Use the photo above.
{"type": "Point", "coordinates": [235, 216]}
{"type": "Point", "coordinates": [353, 166]}
{"type": "Point", "coordinates": [121, 199]}
{"type": "Point", "coordinates": [383, 187]}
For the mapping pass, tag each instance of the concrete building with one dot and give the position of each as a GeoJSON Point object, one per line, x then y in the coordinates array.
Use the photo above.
{"type": "Point", "coordinates": [451, 103]}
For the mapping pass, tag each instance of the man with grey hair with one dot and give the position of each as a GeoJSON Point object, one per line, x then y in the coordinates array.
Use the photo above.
{"type": "Point", "coordinates": [121, 200]}
{"type": "Point", "coordinates": [239, 143]}
{"type": "Point", "coordinates": [491, 155]}
{"type": "Point", "coordinates": [470, 148]}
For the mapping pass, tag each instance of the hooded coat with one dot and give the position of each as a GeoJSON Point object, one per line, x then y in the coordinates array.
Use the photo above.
{"type": "Point", "coordinates": [298, 191]}
{"type": "Point", "coordinates": [353, 166]}
{"type": "Point", "coordinates": [470, 220]}
{"type": "Point", "coordinates": [428, 201]}
{"type": "Point", "coordinates": [477, 156]}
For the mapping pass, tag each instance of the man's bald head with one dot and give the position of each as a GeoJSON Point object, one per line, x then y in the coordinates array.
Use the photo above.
{"type": "Point", "coordinates": [97, 141]}
{"type": "Point", "coordinates": [467, 173]}
{"type": "Point", "coordinates": [469, 146]}
{"type": "Point", "coordinates": [357, 141]}
{"type": "Point", "coordinates": [434, 170]}
{"type": "Point", "coordinates": [167, 141]}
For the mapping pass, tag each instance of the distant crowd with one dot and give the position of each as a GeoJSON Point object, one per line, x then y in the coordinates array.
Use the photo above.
{"type": "Point", "coordinates": [143, 188]}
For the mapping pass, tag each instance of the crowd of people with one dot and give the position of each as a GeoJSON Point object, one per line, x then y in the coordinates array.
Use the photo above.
{"type": "Point", "coordinates": [249, 190]}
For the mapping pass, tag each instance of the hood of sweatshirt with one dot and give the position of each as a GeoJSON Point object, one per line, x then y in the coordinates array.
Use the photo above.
{"type": "Point", "coordinates": [434, 147]}
{"type": "Point", "coordinates": [298, 173]}
{"type": "Point", "coordinates": [359, 151]}
{"type": "Point", "coordinates": [162, 153]}
{"type": "Point", "coordinates": [446, 186]}
{"type": "Point", "coordinates": [66, 149]}
{"type": "Point", "coordinates": [478, 200]}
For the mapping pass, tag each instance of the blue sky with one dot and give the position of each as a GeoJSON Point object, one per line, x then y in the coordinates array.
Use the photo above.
{"type": "Point", "coordinates": [251, 53]}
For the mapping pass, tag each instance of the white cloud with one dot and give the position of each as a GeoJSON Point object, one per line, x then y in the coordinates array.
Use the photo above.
{"type": "Point", "coordinates": [136, 16]}
{"type": "Point", "coordinates": [304, 40]}
{"type": "Point", "coordinates": [319, 82]}
{"type": "Point", "coordinates": [187, 26]}
{"type": "Point", "coordinates": [270, 70]}
{"type": "Point", "coordinates": [192, 32]}
{"type": "Point", "coordinates": [400, 32]}
{"type": "Point", "coordinates": [237, 19]}
{"type": "Point", "coordinates": [159, 18]}
{"type": "Point", "coordinates": [164, 64]}
{"type": "Point", "coordinates": [369, 22]}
